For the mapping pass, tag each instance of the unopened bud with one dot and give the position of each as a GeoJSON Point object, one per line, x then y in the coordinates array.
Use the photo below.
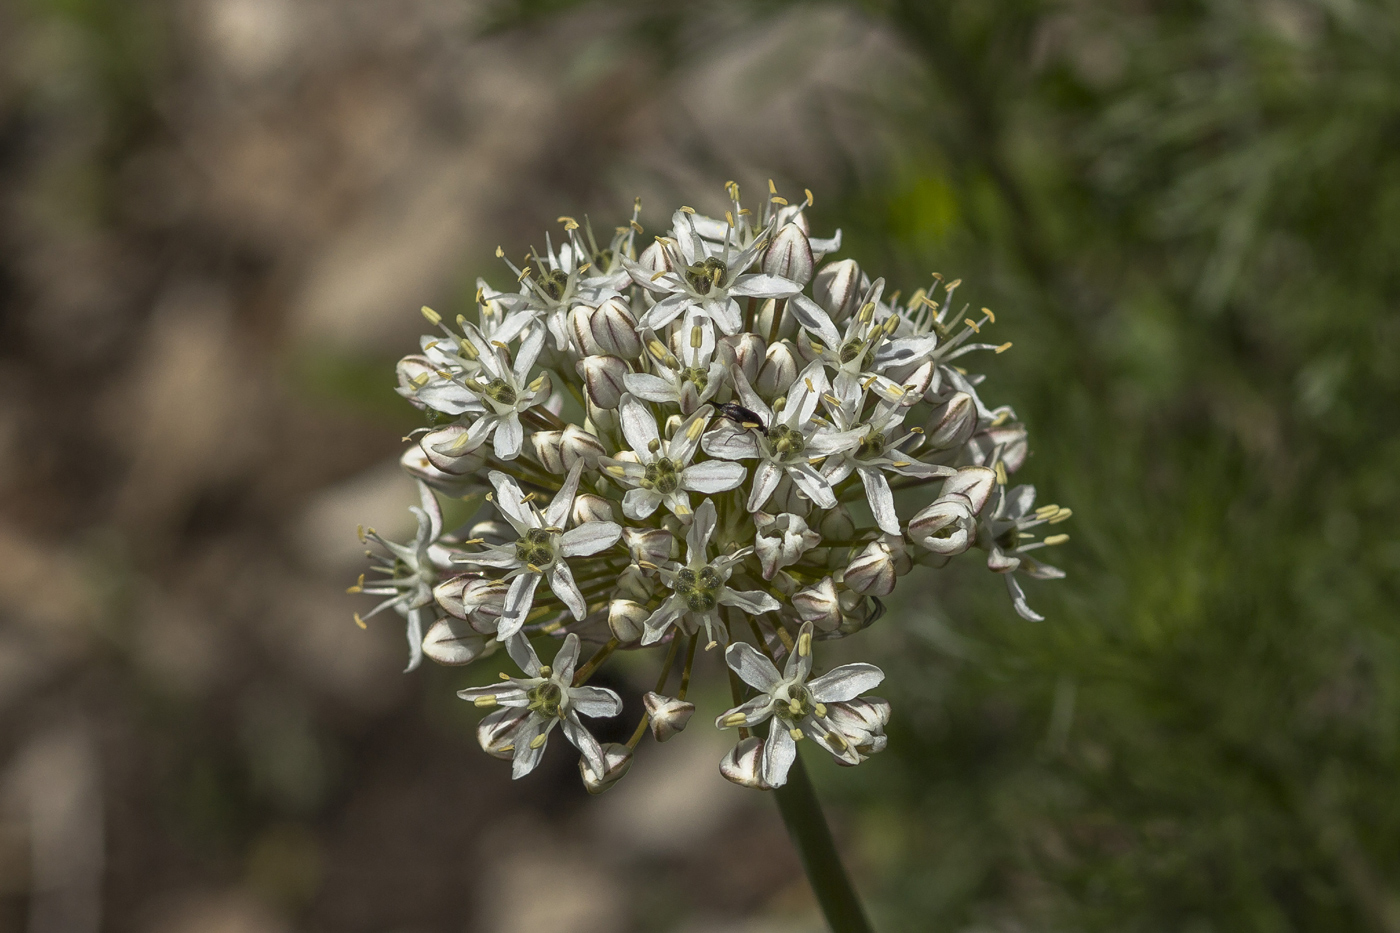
{"type": "Point", "coordinates": [414, 371]}
{"type": "Point", "coordinates": [838, 288]}
{"type": "Point", "coordinates": [945, 527]}
{"type": "Point", "coordinates": [446, 448]}
{"type": "Point", "coordinates": [837, 524]}
{"type": "Point", "coordinates": [602, 377]}
{"type": "Point", "coordinates": [952, 423]}
{"type": "Point", "coordinates": [779, 370]}
{"type": "Point", "coordinates": [416, 464]}
{"type": "Point", "coordinates": [871, 572]}
{"type": "Point", "coordinates": [652, 545]}
{"type": "Point", "coordinates": [558, 451]}
{"type": "Point", "coordinates": [668, 715]}
{"type": "Point", "coordinates": [790, 255]}
{"type": "Point", "coordinates": [747, 352]}
{"type": "Point", "coordinates": [617, 758]}
{"type": "Point", "coordinates": [590, 508]}
{"type": "Point", "coordinates": [744, 764]}
{"type": "Point", "coordinates": [627, 620]}
{"type": "Point", "coordinates": [975, 483]}
{"type": "Point", "coordinates": [453, 642]}
{"type": "Point", "coordinates": [654, 259]}
{"type": "Point", "coordinates": [861, 722]}
{"type": "Point", "coordinates": [609, 329]}
{"type": "Point", "coordinates": [479, 601]}
{"type": "Point", "coordinates": [819, 605]}
{"type": "Point", "coordinates": [633, 583]}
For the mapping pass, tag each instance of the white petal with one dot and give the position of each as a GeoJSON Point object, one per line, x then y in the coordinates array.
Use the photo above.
{"type": "Point", "coordinates": [649, 387]}
{"type": "Point", "coordinates": [566, 657]}
{"type": "Point", "coordinates": [752, 667]}
{"type": "Point", "coordinates": [813, 484]}
{"type": "Point", "coordinates": [779, 752]}
{"type": "Point", "coordinates": [509, 436]}
{"type": "Point", "coordinates": [561, 581]}
{"type": "Point", "coordinates": [639, 503]}
{"type": "Point", "coordinates": [713, 476]}
{"type": "Point", "coordinates": [726, 315]}
{"type": "Point", "coordinates": [557, 513]}
{"type": "Point", "coordinates": [754, 602]}
{"type": "Point", "coordinates": [414, 631]}
{"type": "Point", "coordinates": [431, 509]}
{"type": "Point", "coordinates": [766, 477]}
{"type": "Point", "coordinates": [597, 702]}
{"type": "Point", "coordinates": [845, 682]}
{"type": "Point", "coordinates": [523, 654]}
{"type": "Point", "coordinates": [764, 285]}
{"type": "Point", "coordinates": [727, 441]}
{"type": "Point", "coordinates": [518, 602]}
{"type": "Point", "coordinates": [528, 352]}
{"type": "Point", "coordinates": [510, 502]}
{"type": "Point", "coordinates": [665, 311]}
{"type": "Point", "coordinates": [638, 426]}
{"type": "Point", "coordinates": [589, 538]}
{"type": "Point", "coordinates": [815, 319]}
{"type": "Point", "coordinates": [877, 492]}
{"type": "Point", "coordinates": [584, 741]}
{"type": "Point", "coordinates": [697, 538]}
{"type": "Point", "coordinates": [528, 758]}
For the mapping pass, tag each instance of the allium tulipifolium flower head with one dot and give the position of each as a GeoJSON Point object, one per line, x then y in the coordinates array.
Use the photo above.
{"type": "Point", "coordinates": [714, 440]}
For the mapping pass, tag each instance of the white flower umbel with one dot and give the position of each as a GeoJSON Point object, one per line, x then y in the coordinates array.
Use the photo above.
{"type": "Point", "coordinates": [531, 706]}
{"type": "Point", "coordinates": [829, 439]}
{"type": "Point", "coordinates": [540, 551]}
{"type": "Point", "coordinates": [797, 707]}
{"type": "Point", "coordinates": [662, 471]}
{"type": "Point", "coordinates": [700, 586]}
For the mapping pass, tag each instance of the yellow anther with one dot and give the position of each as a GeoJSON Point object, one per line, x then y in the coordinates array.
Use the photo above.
{"type": "Point", "coordinates": [695, 428]}
{"type": "Point", "coordinates": [916, 430]}
{"type": "Point", "coordinates": [528, 497]}
{"type": "Point", "coordinates": [1045, 511]}
{"type": "Point", "coordinates": [804, 644]}
{"type": "Point", "coordinates": [828, 397]}
{"type": "Point", "coordinates": [659, 274]}
{"type": "Point", "coordinates": [777, 200]}
{"type": "Point", "coordinates": [480, 294]}
{"type": "Point", "coordinates": [546, 670]}
{"type": "Point", "coordinates": [896, 391]}
{"type": "Point", "coordinates": [697, 337]}
{"type": "Point", "coordinates": [471, 541]}
{"type": "Point", "coordinates": [360, 622]}
{"type": "Point", "coordinates": [539, 740]}
{"type": "Point", "coordinates": [797, 734]}
{"type": "Point", "coordinates": [1001, 473]}
{"type": "Point", "coordinates": [508, 748]}
{"type": "Point", "coordinates": [647, 565]}
{"type": "Point", "coordinates": [523, 274]}
{"type": "Point", "coordinates": [1004, 347]}
{"type": "Point", "coordinates": [688, 210]}
{"type": "Point", "coordinates": [795, 707]}
{"type": "Point", "coordinates": [900, 464]}
{"type": "Point", "coordinates": [735, 719]}
{"type": "Point", "coordinates": [990, 316]}
{"type": "Point", "coordinates": [1056, 539]}
{"type": "Point", "coordinates": [1001, 418]}
{"type": "Point", "coordinates": [867, 312]}
{"type": "Point", "coordinates": [420, 380]}
{"type": "Point", "coordinates": [485, 702]}
{"type": "Point", "coordinates": [821, 709]}
{"type": "Point", "coordinates": [569, 223]}
{"type": "Point", "coordinates": [616, 470]}
{"type": "Point", "coordinates": [808, 382]}
{"type": "Point", "coordinates": [433, 317]}
{"type": "Point", "coordinates": [729, 216]}
{"type": "Point", "coordinates": [1061, 516]}
{"type": "Point", "coordinates": [953, 284]}
{"type": "Point", "coordinates": [772, 188]}
{"type": "Point", "coordinates": [360, 530]}
{"type": "Point", "coordinates": [711, 645]}
{"type": "Point", "coordinates": [500, 253]}
{"type": "Point", "coordinates": [836, 739]}
{"type": "Point", "coordinates": [808, 193]}
{"type": "Point", "coordinates": [635, 226]}
{"type": "Point", "coordinates": [533, 569]}
{"type": "Point", "coordinates": [973, 324]}
{"type": "Point", "coordinates": [490, 497]}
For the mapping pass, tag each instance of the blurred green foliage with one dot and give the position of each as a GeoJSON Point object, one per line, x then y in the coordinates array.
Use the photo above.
{"type": "Point", "coordinates": [1188, 218]}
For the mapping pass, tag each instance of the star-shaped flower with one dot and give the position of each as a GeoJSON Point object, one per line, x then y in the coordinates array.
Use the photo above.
{"type": "Point", "coordinates": [797, 707]}
{"type": "Point", "coordinates": [531, 706]}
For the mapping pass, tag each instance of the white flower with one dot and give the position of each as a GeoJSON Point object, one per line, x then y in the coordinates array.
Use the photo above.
{"type": "Point", "coordinates": [798, 708]}
{"type": "Point", "coordinates": [699, 587]}
{"type": "Point", "coordinates": [786, 442]}
{"type": "Point", "coordinates": [531, 706]}
{"type": "Point", "coordinates": [705, 278]}
{"type": "Point", "coordinates": [663, 472]}
{"type": "Point", "coordinates": [876, 453]}
{"type": "Point", "coordinates": [541, 549]}
{"type": "Point", "coordinates": [410, 573]}
{"type": "Point", "coordinates": [686, 385]}
{"type": "Point", "coordinates": [1003, 532]}
{"type": "Point", "coordinates": [781, 540]}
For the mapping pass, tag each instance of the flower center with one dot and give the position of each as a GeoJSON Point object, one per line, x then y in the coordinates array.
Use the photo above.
{"type": "Point", "coordinates": [698, 587]}
{"type": "Point", "coordinates": [535, 547]}
{"type": "Point", "coordinates": [545, 698]}
{"type": "Point", "coordinates": [798, 706]}
{"type": "Point", "coordinates": [498, 390]}
{"type": "Point", "coordinates": [787, 443]}
{"type": "Point", "coordinates": [852, 350]}
{"type": "Point", "coordinates": [871, 446]}
{"type": "Point", "coordinates": [697, 375]}
{"type": "Point", "coordinates": [705, 276]}
{"type": "Point", "coordinates": [663, 476]}
{"type": "Point", "coordinates": [553, 283]}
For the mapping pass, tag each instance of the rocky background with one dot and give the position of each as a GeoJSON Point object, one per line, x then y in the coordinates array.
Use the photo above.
{"type": "Point", "coordinates": [217, 221]}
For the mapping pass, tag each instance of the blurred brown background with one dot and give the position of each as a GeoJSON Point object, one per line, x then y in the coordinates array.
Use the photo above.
{"type": "Point", "coordinates": [219, 219]}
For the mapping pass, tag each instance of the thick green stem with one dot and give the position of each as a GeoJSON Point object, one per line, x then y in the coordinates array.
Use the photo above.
{"type": "Point", "coordinates": [802, 812]}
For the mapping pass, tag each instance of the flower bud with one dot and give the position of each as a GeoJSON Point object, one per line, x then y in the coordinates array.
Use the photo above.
{"type": "Point", "coordinates": [634, 584]}
{"type": "Point", "coordinates": [951, 423]}
{"type": "Point", "coordinates": [591, 508]}
{"type": "Point", "coordinates": [781, 540]}
{"type": "Point", "coordinates": [790, 255]}
{"type": "Point", "coordinates": [838, 288]}
{"type": "Point", "coordinates": [496, 732]}
{"type": "Point", "coordinates": [837, 524]}
{"type": "Point", "coordinates": [654, 259]}
{"type": "Point", "coordinates": [477, 600]}
{"type": "Point", "coordinates": [944, 527]}
{"type": "Point", "coordinates": [558, 451]}
{"type": "Point", "coordinates": [617, 758]}
{"type": "Point", "coordinates": [1011, 438]}
{"type": "Point", "coordinates": [446, 448]}
{"type": "Point", "coordinates": [416, 464]}
{"type": "Point", "coordinates": [857, 612]}
{"type": "Point", "coordinates": [743, 763]}
{"type": "Point", "coordinates": [819, 605]}
{"type": "Point", "coordinates": [627, 620]}
{"type": "Point", "coordinates": [745, 351]}
{"type": "Point", "coordinates": [862, 722]}
{"type": "Point", "coordinates": [871, 572]}
{"type": "Point", "coordinates": [648, 544]}
{"type": "Point", "coordinates": [602, 377]}
{"type": "Point", "coordinates": [975, 483]}
{"type": "Point", "coordinates": [668, 715]}
{"type": "Point", "coordinates": [778, 371]}
{"type": "Point", "coordinates": [609, 329]}
{"type": "Point", "coordinates": [453, 642]}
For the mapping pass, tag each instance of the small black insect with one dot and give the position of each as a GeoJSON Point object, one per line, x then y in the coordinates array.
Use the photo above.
{"type": "Point", "coordinates": [743, 417]}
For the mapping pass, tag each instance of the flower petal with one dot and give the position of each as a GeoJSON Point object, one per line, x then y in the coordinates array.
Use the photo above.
{"type": "Point", "coordinates": [713, 476]}
{"type": "Point", "coordinates": [845, 682]}
{"type": "Point", "coordinates": [509, 435]}
{"type": "Point", "coordinates": [754, 602]}
{"type": "Point", "coordinates": [649, 388]}
{"type": "Point", "coordinates": [561, 581]}
{"type": "Point", "coordinates": [752, 667]}
{"type": "Point", "coordinates": [518, 602]}
{"type": "Point", "coordinates": [597, 702]}
{"type": "Point", "coordinates": [557, 513]}
{"type": "Point", "coordinates": [583, 740]}
{"type": "Point", "coordinates": [764, 285]}
{"type": "Point", "coordinates": [815, 319]}
{"type": "Point", "coordinates": [779, 752]}
{"type": "Point", "coordinates": [589, 538]}
{"type": "Point", "coordinates": [638, 504]}
{"type": "Point", "coordinates": [877, 493]}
